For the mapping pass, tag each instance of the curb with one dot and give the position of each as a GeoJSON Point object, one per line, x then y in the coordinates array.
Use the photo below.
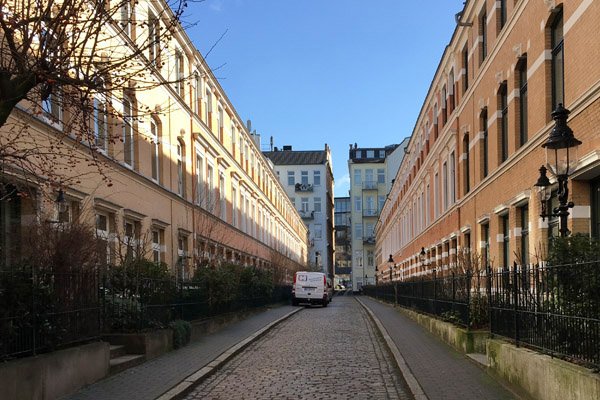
{"type": "Point", "coordinates": [411, 381]}
{"type": "Point", "coordinates": [186, 385]}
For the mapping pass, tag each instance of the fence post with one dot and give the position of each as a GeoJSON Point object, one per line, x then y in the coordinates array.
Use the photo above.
{"type": "Point", "coordinates": [34, 311]}
{"type": "Point", "coordinates": [141, 315]}
{"type": "Point", "coordinates": [468, 322]}
{"type": "Point", "coordinates": [395, 293]}
{"type": "Point", "coordinates": [453, 292]}
{"type": "Point", "coordinates": [516, 304]}
{"type": "Point", "coordinates": [435, 308]}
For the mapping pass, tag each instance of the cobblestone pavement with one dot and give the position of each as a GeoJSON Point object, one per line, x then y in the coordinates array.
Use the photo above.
{"type": "Point", "coordinates": [320, 353]}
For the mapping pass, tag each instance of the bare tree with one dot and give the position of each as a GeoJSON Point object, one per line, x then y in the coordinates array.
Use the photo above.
{"type": "Point", "coordinates": [69, 64]}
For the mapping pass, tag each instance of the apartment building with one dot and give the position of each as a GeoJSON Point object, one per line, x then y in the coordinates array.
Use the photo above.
{"type": "Point", "coordinates": [369, 183]}
{"type": "Point", "coordinates": [343, 240]}
{"type": "Point", "coordinates": [307, 178]}
{"type": "Point", "coordinates": [467, 182]}
{"type": "Point", "coordinates": [188, 186]}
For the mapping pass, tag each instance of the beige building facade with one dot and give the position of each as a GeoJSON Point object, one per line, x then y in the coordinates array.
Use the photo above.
{"type": "Point", "coordinates": [182, 181]}
{"type": "Point", "coordinates": [474, 153]}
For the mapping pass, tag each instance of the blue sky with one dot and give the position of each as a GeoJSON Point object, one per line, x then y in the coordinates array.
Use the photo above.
{"type": "Point", "coordinates": [310, 72]}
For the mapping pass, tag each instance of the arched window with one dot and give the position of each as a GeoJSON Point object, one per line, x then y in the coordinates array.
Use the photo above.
{"type": "Point", "coordinates": [155, 150]}
{"type": "Point", "coordinates": [128, 131]}
{"type": "Point", "coordinates": [558, 81]}
{"type": "Point", "coordinates": [180, 168]}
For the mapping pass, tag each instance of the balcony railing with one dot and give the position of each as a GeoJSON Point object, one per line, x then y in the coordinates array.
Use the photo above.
{"type": "Point", "coordinates": [304, 187]}
{"type": "Point", "coordinates": [308, 215]}
{"type": "Point", "coordinates": [369, 240]}
{"type": "Point", "coordinates": [369, 185]}
{"type": "Point", "coordinates": [370, 212]}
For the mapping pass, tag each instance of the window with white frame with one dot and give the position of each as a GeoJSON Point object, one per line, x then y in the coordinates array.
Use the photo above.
{"type": "Point", "coordinates": [358, 177]}
{"type": "Point", "coordinates": [180, 167]}
{"type": "Point", "coordinates": [444, 186]}
{"type": "Point", "coordinates": [156, 245]}
{"type": "Point", "coordinates": [210, 187]}
{"type": "Point", "coordinates": [154, 153]}
{"type": "Point", "coordinates": [197, 93]}
{"type": "Point", "coordinates": [380, 202]}
{"type": "Point", "coordinates": [317, 178]}
{"type": "Point", "coordinates": [100, 124]}
{"type": "Point", "coordinates": [128, 131]}
{"type": "Point", "coordinates": [153, 37]}
{"type": "Point", "coordinates": [358, 258]}
{"type": "Point", "coordinates": [208, 105]}
{"type": "Point", "coordinates": [317, 201]}
{"type": "Point", "coordinates": [291, 178]}
{"type": "Point", "coordinates": [52, 107]}
{"type": "Point", "coordinates": [234, 207]}
{"type": "Point", "coordinates": [304, 204]}
{"type": "Point", "coordinates": [358, 231]}
{"type": "Point", "coordinates": [436, 195]}
{"type": "Point", "coordinates": [369, 177]}
{"type": "Point", "coordinates": [304, 177]}
{"type": "Point", "coordinates": [370, 258]}
{"type": "Point", "coordinates": [318, 231]}
{"type": "Point", "coordinates": [452, 178]}
{"type": "Point", "coordinates": [200, 192]}
{"type": "Point", "coordinates": [380, 176]}
{"type": "Point", "coordinates": [179, 73]}
{"type": "Point", "coordinates": [222, 199]}
{"type": "Point", "coordinates": [357, 203]}
{"type": "Point", "coordinates": [103, 233]}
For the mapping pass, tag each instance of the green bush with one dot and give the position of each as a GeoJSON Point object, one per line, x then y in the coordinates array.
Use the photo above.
{"type": "Point", "coordinates": [182, 333]}
{"type": "Point", "coordinates": [479, 316]}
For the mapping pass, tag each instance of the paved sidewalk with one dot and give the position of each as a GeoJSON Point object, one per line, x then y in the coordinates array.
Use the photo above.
{"type": "Point", "coordinates": [153, 378]}
{"type": "Point", "coordinates": [441, 371]}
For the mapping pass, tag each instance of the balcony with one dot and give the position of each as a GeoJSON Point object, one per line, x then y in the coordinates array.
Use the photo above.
{"type": "Point", "coordinates": [307, 215]}
{"type": "Point", "coordinates": [311, 243]}
{"type": "Point", "coordinates": [369, 240]}
{"type": "Point", "coordinates": [370, 213]}
{"type": "Point", "coordinates": [369, 185]}
{"type": "Point", "coordinates": [304, 187]}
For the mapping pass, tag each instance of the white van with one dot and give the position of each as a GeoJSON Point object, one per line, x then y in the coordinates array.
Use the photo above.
{"type": "Point", "coordinates": [312, 288]}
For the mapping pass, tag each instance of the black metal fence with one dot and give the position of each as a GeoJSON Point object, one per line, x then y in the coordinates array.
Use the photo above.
{"type": "Point", "coordinates": [447, 296]}
{"type": "Point", "coordinates": [553, 309]}
{"type": "Point", "coordinates": [42, 311]}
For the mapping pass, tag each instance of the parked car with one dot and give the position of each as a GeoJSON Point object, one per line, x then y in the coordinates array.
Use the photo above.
{"type": "Point", "coordinates": [312, 288]}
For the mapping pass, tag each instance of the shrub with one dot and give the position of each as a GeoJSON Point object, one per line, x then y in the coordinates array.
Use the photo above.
{"type": "Point", "coordinates": [182, 333]}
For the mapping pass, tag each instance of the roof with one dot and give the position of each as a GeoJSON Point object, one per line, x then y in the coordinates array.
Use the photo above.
{"type": "Point", "coordinates": [288, 157]}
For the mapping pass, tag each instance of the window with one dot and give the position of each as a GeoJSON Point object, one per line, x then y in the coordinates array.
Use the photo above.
{"type": "Point", "coordinates": [234, 207]}
{"type": "Point", "coordinates": [465, 57]}
{"type": "Point", "coordinates": [358, 231]}
{"type": "Point", "coordinates": [451, 91]}
{"type": "Point", "coordinates": [180, 168]}
{"type": "Point", "coordinates": [380, 202]}
{"type": "Point", "coordinates": [427, 205]}
{"type": "Point", "coordinates": [452, 178]}
{"type": "Point", "coordinates": [370, 258]}
{"type": "Point", "coordinates": [131, 231]}
{"type": "Point", "coordinates": [357, 177]}
{"type": "Point", "coordinates": [210, 187]}
{"type": "Point", "coordinates": [52, 106]}
{"type": "Point", "coordinates": [304, 177]}
{"type": "Point", "coordinates": [100, 124]}
{"type": "Point", "coordinates": [317, 201]}
{"type": "Point", "coordinates": [484, 153]}
{"type": "Point", "coordinates": [200, 194]}
{"type": "Point", "coordinates": [358, 258]}
{"type": "Point", "coordinates": [103, 233]}
{"type": "Point", "coordinates": [370, 231]}
{"type": "Point", "coordinates": [318, 231]}
{"type": "Point", "coordinates": [154, 154]}
{"type": "Point", "coordinates": [304, 204]}
{"type": "Point", "coordinates": [485, 243]}
{"type": "Point", "coordinates": [558, 83]}
{"type": "Point", "coordinates": [222, 198]}
{"type": "Point", "coordinates": [291, 178]}
{"type": "Point", "coordinates": [435, 120]}
{"type": "Point", "coordinates": [380, 176]}
{"type": "Point", "coordinates": [153, 37]}
{"type": "Point", "coordinates": [197, 94]}
{"type": "Point", "coordinates": [156, 245]}
{"type": "Point", "coordinates": [523, 102]}
{"type": "Point", "coordinates": [128, 131]}
{"type": "Point", "coordinates": [483, 33]}
{"type": "Point", "coordinates": [357, 204]}
{"type": "Point", "coordinates": [467, 166]}
{"type": "Point", "coordinates": [502, 14]}
{"type": "Point", "coordinates": [220, 123]}
{"type": "Point", "coordinates": [369, 177]}
{"type": "Point", "coordinates": [436, 195]}
{"type": "Point", "coordinates": [444, 111]}
{"type": "Point", "coordinates": [503, 123]}
{"type": "Point", "coordinates": [505, 241]}
{"type": "Point", "coordinates": [126, 17]}
{"type": "Point", "coordinates": [524, 214]}
{"type": "Point", "coordinates": [317, 178]}
{"type": "Point", "coordinates": [444, 187]}
{"type": "Point", "coordinates": [179, 74]}
{"type": "Point", "coordinates": [208, 107]}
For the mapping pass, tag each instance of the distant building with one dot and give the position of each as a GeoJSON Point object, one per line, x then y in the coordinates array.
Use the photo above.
{"type": "Point", "coordinates": [343, 241]}
{"type": "Point", "coordinates": [307, 178]}
{"type": "Point", "coordinates": [369, 185]}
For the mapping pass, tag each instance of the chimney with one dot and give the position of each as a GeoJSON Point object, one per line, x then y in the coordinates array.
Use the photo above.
{"type": "Point", "coordinates": [249, 125]}
{"type": "Point", "coordinates": [287, 148]}
{"type": "Point", "coordinates": [276, 149]}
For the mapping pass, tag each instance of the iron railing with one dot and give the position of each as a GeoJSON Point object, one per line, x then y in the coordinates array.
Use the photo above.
{"type": "Point", "coordinates": [45, 310]}
{"type": "Point", "coordinates": [553, 309]}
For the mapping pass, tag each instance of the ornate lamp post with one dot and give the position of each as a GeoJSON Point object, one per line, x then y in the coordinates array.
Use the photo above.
{"type": "Point", "coordinates": [390, 265]}
{"type": "Point", "coordinates": [561, 160]}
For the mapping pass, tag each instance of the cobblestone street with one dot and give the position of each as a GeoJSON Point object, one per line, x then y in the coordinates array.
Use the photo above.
{"type": "Point", "coordinates": [320, 353]}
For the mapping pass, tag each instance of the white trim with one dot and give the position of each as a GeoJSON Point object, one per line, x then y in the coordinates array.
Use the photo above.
{"type": "Point", "coordinates": [580, 212]}
{"type": "Point", "coordinates": [576, 15]}
{"type": "Point", "coordinates": [544, 56]}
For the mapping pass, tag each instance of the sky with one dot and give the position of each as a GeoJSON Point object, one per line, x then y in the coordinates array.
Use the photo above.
{"type": "Point", "coordinates": [310, 72]}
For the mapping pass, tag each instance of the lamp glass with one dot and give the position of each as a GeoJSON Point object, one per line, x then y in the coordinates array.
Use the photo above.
{"type": "Point", "coordinates": [562, 161]}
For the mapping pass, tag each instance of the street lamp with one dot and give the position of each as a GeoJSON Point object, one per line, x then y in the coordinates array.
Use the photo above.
{"type": "Point", "coordinates": [390, 265]}
{"type": "Point", "coordinates": [561, 160]}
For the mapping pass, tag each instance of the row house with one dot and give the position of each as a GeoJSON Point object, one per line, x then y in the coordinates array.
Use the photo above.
{"type": "Point", "coordinates": [466, 184]}
{"type": "Point", "coordinates": [188, 185]}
